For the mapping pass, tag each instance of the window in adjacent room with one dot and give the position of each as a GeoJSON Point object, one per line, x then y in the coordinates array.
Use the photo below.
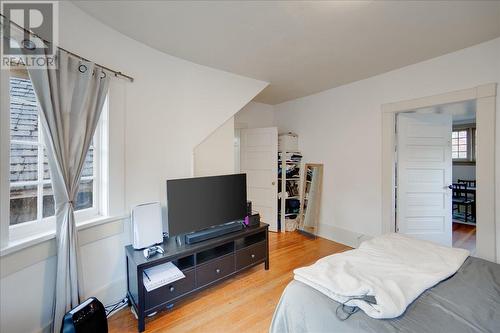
{"type": "Point", "coordinates": [459, 144]}
{"type": "Point", "coordinates": [31, 194]}
{"type": "Point", "coordinates": [463, 143]}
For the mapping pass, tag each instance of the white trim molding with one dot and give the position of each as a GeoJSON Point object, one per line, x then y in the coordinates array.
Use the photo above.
{"type": "Point", "coordinates": [485, 97]}
{"type": "Point", "coordinates": [4, 157]}
{"type": "Point", "coordinates": [21, 244]}
{"type": "Point", "coordinates": [341, 235]}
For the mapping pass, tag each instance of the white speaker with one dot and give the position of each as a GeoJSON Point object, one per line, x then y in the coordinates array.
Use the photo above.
{"type": "Point", "coordinates": [147, 226]}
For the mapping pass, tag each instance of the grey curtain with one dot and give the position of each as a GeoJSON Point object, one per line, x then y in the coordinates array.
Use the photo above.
{"type": "Point", "coordinates": [71, 98]}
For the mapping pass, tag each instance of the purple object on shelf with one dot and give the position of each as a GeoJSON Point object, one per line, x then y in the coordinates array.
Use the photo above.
{"type": "Point", "coordinates": [246, 221]}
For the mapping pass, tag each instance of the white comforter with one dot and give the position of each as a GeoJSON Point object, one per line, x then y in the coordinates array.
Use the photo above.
{"type": "Point", "coordinates": [394, 268]}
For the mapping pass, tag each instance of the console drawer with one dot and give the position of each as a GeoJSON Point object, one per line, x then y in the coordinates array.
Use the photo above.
{"type": "Point", "coordinates": [250, 255]}
{"type": "Point", "coordinates": [214, 270]}
{"type": "Point", "coordinates": [170, 291]}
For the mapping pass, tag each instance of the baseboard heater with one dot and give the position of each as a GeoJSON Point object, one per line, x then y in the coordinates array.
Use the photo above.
{"type": "Point", "coordinates": [213, 232]}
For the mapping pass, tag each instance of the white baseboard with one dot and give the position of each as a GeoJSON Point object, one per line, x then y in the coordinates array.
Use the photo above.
{"type": "Point", "coordinates": [342, 236]}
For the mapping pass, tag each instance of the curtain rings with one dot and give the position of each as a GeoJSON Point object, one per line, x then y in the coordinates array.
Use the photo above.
{"type": "Point", "coordinates": [103, 75]}
{"type": "Point", "coordinates": [28, 44]}
{"type": "Point", "coordinates": [82, 68]}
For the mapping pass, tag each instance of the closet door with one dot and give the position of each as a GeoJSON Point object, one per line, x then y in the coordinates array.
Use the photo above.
{"type": "Point", "coordinates": [259, 151]}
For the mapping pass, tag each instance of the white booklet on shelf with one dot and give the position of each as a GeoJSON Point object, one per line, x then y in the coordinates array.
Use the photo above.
{"type": "Point", "coordinates": [161, 275]}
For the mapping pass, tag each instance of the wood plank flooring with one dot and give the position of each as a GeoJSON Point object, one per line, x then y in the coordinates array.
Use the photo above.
{"type": "Point", "coordinates": [464, 236]}
{"type": "Point", "coordinates": [244, 303]}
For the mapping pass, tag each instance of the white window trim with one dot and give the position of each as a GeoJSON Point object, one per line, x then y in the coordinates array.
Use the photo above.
{"type": "Point", "coordinates": [18, 245]}
{"type": "Point", "coordinates": [471, 143]}
{"type": "Point", "coordinates": [4, 157]}
{"type": "Point", "coordinates": [27, 231]}
{"type": "Point", "coordinates": [468, 152]}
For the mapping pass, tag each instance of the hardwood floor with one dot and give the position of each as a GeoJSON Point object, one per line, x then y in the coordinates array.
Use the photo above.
{"type": "Point", "coordinates": [464, 236]}
{"type": "Point", "coordinates": [244, 303]}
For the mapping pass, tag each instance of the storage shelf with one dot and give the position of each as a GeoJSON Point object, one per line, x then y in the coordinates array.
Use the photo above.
{"type": "Point", "coordinates": [204, 264]}
{"type": "Point", "coordinates": [287, 185]}
{"type": "Point", "coordinates": [291, 162]}
{"type": "Point", "coordinates": [290, 179]}
{"type": "Point", "coordinates": [290, 214]}
{"type": "Point", "coordinates": [215, 252]}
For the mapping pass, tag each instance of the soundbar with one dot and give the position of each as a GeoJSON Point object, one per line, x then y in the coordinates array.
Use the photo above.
{"type": "Point", "coordinates": [213, 232]}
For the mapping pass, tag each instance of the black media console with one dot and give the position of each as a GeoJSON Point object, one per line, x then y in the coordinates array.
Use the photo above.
{"type": "Point", "coordinates": [204, 264]}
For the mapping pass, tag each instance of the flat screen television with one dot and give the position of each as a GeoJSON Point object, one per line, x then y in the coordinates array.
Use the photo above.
{"type": "Point", "coordinates": [195, 204]}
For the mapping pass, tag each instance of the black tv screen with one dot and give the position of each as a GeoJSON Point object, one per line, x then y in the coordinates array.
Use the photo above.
{"type": "Point", "coordinates": [198, 203]}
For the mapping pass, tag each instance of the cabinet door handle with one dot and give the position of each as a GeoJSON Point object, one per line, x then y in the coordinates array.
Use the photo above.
{"type": "Point", "coordinates": [253, 256]}
{"type": "Point", "coordinates": [171, 289]}
{"type": "Point", "coordinates": [217, 271]}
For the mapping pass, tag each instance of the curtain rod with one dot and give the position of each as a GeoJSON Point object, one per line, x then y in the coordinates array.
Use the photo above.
{"type": "Point", "coordinates": [117, 73]}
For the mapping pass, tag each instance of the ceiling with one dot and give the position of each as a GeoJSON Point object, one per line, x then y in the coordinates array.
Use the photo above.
{"type": "Point", "coordinates": [461, 112]}
{"type": "Point", "coordinates": [302, 47]}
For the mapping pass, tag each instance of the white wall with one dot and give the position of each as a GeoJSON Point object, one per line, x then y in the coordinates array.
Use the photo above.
{"type": "Point", "coordinates": [255, 115]}
{"type": "Point", "coordinates": [342, 128]}
{"type": "Point", "coordinates": [28, 276]}
{"type": "Point", "coordinates": [155, 123]}
{"type": "Point", "coordinates": [219, 153]}
{"type": "Point", "coordinates": [467, 172]}
{"type": "Point", "coordinates": [215, 155]}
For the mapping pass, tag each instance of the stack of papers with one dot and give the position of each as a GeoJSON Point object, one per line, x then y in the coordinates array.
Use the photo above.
{"type": "Point", "coordinates": [160, 275]}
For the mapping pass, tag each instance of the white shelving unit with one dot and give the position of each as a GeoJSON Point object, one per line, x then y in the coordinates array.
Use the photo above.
{"type": "Point", "coordinates": [283, 216]}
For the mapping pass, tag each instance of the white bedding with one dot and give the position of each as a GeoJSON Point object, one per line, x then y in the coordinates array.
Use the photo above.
{"type": "Point", "coordinates": [393, 268]}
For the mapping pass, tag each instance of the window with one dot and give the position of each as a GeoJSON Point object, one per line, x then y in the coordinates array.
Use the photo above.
{"type": "Point", "coordinates": [459, 144]}
{"type": "Point", "coordinates": [463, 144]}
{"type": "Point", "coordinates": [31, 195]}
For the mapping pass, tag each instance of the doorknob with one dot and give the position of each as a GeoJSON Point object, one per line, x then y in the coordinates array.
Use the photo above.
{"type": "Point", "coordinates": [273, 183]}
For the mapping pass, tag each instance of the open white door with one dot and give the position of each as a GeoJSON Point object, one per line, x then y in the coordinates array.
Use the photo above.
{"type": "Point", "coordinates": [259, 160]}
{"type": "Point", "coordinates": [424, 172]}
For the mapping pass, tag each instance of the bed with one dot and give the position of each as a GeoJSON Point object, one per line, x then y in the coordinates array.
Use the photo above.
{"type": "Point", "coordinates": [468, 301]}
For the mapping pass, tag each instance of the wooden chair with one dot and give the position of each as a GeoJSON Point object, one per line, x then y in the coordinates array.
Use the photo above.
{"type": "Point", "coordinates": [461, 199]}
{"type": "Point", "coordinates": [469, 183]}
{"type": "Point", "coordinates": [470, 194]}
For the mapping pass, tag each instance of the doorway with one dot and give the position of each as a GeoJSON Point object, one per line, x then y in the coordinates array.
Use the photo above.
{"type": "Point", "coordinates": [464, 185]}
{"type": "Point", "coordinates": [435, 174]}
{"type": "Point", "coordinates": [485, 100]}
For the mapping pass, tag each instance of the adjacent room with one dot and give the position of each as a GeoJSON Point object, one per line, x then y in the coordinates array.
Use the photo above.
{"type": "Point", "coordinates": [249, 166]}
{"type": "Point", "coordinates": [420, 155]}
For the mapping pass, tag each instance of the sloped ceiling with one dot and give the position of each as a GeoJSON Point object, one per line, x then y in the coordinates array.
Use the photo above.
{"type": "Point", "coordinates": [302, 47]}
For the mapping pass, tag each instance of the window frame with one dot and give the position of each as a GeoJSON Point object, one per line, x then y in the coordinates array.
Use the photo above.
{"type": "Point", "coordinates": [471, 143]}
{"type": "Point", "coordinates": [47, 225]}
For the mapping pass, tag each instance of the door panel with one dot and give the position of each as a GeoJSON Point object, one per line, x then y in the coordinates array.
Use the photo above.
{"type": "Point", "coordinates": [424, 171]}
{"type": "Point", "coordinates": [259, 154]}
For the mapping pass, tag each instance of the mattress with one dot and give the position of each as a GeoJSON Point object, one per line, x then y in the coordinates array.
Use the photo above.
{"type": "Point", "coordinates": [468, 301]}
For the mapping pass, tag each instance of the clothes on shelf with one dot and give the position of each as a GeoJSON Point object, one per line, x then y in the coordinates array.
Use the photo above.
{"type": "Point", "coordinates": [290, 156]}
{"type": "Point", "coordinates": [292, 170]}
{"type": "Point", "coordinates": [292, 188]}
{"type": "Point", "coordinates": [289, 166]}
{"type": "Point", "coordinates": [292, 206]}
